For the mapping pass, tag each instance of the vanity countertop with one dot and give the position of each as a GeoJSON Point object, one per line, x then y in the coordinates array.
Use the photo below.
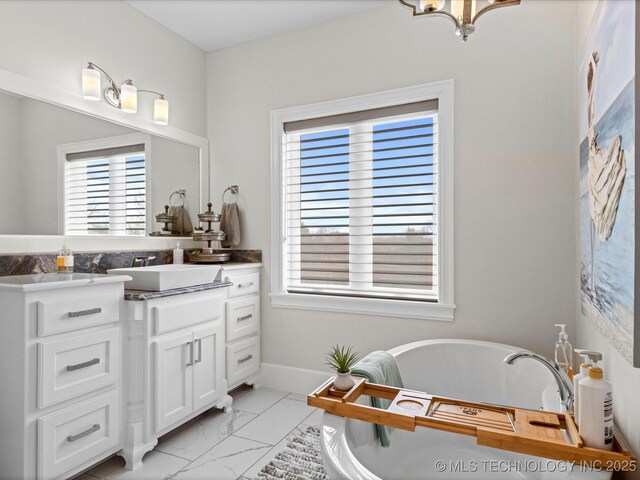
{"type": "Point", "coordinates": [141, 295]}
{"type": "Point", "coordinates": [50, 281]}
{"type": "Point", "coordinates": [238, 265]}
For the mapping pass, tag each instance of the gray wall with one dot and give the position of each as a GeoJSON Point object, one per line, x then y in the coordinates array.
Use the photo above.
{"type": "Point", "coordinates": [514, 162]}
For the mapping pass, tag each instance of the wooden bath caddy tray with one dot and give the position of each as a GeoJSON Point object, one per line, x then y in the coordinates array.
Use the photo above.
{"type": "Point", "coordinates": [530, 432]}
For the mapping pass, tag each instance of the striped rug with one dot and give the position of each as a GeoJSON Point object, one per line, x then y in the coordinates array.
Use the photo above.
{"type": "Point", "coordinates": [301, 459]}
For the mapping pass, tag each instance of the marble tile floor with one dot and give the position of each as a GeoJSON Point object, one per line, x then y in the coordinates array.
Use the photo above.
{"type": "Point", "coordinates": [218, 445]}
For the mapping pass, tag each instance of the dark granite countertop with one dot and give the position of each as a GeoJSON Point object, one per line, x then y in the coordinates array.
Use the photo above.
{"type": "Point", "coordinates": [141, 295]}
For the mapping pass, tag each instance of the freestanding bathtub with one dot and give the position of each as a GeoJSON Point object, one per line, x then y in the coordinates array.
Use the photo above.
{"type": "Point", "coordinates": [465, 369]}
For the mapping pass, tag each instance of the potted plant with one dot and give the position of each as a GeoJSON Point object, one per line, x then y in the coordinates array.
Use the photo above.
{"type": "Point", "coordinates": [341, 359]}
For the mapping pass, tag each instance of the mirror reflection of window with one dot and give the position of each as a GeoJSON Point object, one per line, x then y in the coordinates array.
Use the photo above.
{"type": "Point", "coordinates": [35, 138]}
{"type": "Point", "coordinates": [105, 192]}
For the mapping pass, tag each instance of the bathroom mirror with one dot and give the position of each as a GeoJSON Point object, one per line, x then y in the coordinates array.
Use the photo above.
{"type": "Point", "coordinates": [33, 133]}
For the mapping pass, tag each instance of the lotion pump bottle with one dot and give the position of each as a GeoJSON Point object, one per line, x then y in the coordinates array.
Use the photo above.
{"type": "Point", "coordinates": [564, 351]}
{"type": "Point", "coordinates": [588, 357]}
{"type": "Point", "coordinates": [178, 253]}
{"type": "Point", "coordinates": [596, 410]}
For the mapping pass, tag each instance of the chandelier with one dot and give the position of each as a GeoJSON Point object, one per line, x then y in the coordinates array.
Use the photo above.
{"type": "Point", "coordinates": [464, 13]}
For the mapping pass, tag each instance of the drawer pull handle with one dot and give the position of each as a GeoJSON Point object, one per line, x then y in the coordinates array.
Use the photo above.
{"type": "Point", "coordinates": [246, 317]}
{"type": "Point", "coordinates": [245, 285]}
{"type": "Point", "coordinates": [84, 313]}
{"type": "Point", "coordinates": [88, 431]}
{"type": "Point", "coordinates": [190, 345]}
{"type": "Point", "coordinates": [245, 359]}
{"type": "Point", "coordinates": [78, 366]}
{"type": "Point", "coordinates": [199, 350]}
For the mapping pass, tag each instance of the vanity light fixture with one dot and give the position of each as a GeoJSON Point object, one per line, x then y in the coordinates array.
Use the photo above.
{"type": "Point", "coordinates": [464, 13]}
{"type": "Point", "coordinates": [124, 97]}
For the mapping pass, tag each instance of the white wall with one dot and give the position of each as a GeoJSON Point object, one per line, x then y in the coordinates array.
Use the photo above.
{"type": "Point", "coordinates": [514, 162]}
{"type": "Point", "coordinates": [625, 378]}
{"type": "Point", "coordinates": [51, 41]}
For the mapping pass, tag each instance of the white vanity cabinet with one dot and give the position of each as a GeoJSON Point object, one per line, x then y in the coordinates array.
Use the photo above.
{"type": "Point", "coordinates": [175, 364]}
{"type": "Point", "coordinates": [60, 361]}
{"type": "Point", "coordinates": [188, 372]}
{"type": "Point", "coordinates": [185, 349]}
{"type": "Point", "coordinates": [242, 336]}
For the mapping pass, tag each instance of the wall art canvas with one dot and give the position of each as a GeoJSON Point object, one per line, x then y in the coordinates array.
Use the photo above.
{"type": "Point", "coordinates": [607, 120]}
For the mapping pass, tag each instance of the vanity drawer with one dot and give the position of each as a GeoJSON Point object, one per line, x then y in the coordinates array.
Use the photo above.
{"type": "Point", "coordinates": [77, 365]}
{"type": "Point", "coordinates": [173, 313]}
{"type": "Point", "coordinates": [244, 284]}
{"type": "Point", "coordinates": [72, 436]}
{"type": "Point", "coordinates": [243, 359]}
{"type": "Point", "coordinates": [77, 308]}
{"type": "Point", "coordinates": [243, 316]}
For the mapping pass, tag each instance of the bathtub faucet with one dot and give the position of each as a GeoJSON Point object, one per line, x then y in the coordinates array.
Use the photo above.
{"type": "Point", "coordinates": [565, 388]}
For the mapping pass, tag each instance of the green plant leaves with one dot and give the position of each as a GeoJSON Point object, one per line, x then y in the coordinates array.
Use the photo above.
{"type": "Point", "coordinates": [341, 358]}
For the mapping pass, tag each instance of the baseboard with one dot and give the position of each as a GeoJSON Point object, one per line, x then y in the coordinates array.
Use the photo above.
{"type": "Point", "coordinates": [291, 379]}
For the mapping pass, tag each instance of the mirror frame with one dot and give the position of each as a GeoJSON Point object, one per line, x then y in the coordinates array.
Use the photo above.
{"type": "Point", "coordinates": [37, 90]}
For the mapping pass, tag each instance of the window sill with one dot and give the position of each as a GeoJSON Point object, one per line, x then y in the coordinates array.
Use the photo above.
{"type": "Point", "coordinates": [365, 306]}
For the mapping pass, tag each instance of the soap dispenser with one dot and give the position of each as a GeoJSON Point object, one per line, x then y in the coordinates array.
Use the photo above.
{"type": "Point", "coordinates": [178, 254]}
{"type": "Point", "coordinates": [596, 409]}
{"type": "Point", "coordinates": [588, 357]}
{"type": "Point", "coordinates": [564, 351]}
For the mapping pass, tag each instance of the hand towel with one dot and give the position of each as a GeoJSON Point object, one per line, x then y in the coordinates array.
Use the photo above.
{"type": "Point", "coordinates": [380, 367]}
{"type": "Point", "coordinates": [230, 224]}
{"type": "Point", "coordinates": [183, 225]}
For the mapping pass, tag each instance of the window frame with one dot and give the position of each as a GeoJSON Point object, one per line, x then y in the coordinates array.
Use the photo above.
{"type": "Point", "coordinates": [443, 309]}
{"type": "Point", "coordinates": [98, 144]}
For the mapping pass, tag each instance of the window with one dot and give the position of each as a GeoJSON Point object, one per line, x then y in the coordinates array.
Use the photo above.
{"type": "Point", "coordinates": [361, 203]}
{"type": "Point", "coordinates": [105, 191]}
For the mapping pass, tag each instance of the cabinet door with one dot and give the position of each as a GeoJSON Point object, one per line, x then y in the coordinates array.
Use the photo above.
{"type": "Point", "coordinates": [173, 379]}
{"type": "Point", "coordinates": [207, 367]}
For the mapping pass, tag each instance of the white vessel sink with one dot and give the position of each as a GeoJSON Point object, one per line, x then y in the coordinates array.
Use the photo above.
{"type": "Point", "coordinates": [157, 278]}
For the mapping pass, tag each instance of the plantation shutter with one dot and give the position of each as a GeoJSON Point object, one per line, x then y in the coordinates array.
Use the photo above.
{"type": "Point", "coordinates": [105, 192]}
{"type": "Point", "coordinates": [361, 203]}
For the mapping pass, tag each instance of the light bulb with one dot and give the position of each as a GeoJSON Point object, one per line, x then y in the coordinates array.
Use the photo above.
{"type": "Point", "coordinates": [431, 5]}
{"type": "Point", "coordinates": [128, 98]}
{"type": "Point", "coordinates": [90, 84]}
{"type": "Point", "coordinates": [161, 111]}
{"type": "Point", "coordinates": [457, 8]}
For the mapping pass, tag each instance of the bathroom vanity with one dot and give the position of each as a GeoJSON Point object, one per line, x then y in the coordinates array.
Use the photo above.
{"type": "Point", "coordinates": [60, 363]}
{"type": "Point", "coordinates": [184, 349]}
{"type": "Point", "coordinates": [96, 369]}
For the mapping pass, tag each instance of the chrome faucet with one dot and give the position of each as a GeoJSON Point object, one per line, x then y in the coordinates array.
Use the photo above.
{"type": "Point", "coordinates": [142, 260]}
{"type": "Point", "coordinates": [565, 387]}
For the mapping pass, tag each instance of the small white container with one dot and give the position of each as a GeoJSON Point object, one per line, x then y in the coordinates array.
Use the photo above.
{"type": "Point", "coordinates": [178, 254]}
{"type": "Point", "coordinates": [596, 410]}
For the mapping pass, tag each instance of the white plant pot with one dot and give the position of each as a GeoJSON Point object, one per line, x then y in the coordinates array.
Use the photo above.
{"type": "Point", "coordinates": [344, 381]}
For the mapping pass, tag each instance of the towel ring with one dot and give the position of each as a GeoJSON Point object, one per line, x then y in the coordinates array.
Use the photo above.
{"type": "Point", "coordinates": [234, 191]}
{"type": "Point", "coordinates": [182, 194]}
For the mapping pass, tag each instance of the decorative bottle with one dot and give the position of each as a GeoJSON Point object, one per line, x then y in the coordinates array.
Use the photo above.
{"type": "Point", "coordinates": [64, 261]}
{"type": "Point", "coordinates": [564, 351]}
